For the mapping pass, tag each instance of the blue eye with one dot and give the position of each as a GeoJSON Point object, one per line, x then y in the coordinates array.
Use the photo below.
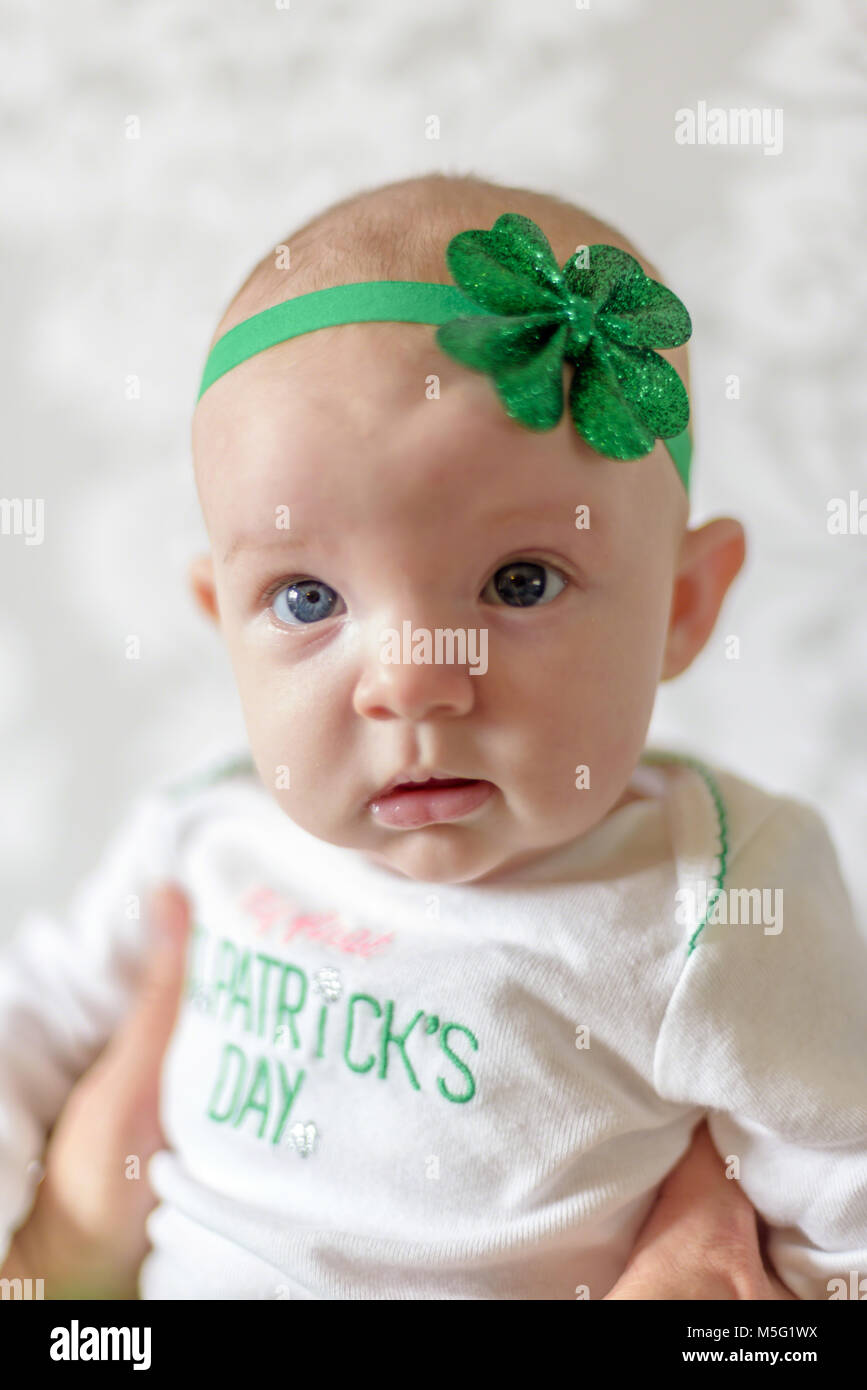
{"type": "Point", "coordinates": [304, 601]}
{"type": "Point", "coordinates": [525, 584]}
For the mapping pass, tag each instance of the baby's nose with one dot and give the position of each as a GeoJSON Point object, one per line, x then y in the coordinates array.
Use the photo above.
{"type": "Point", "coordinates": [414, 672]}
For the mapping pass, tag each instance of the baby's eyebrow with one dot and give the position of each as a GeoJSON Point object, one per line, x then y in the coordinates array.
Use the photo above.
{"type": "Point", "coordinates": [559, 511]}
{"type": "Point", "coordinates": [588, 530]}
{"type": "Point", "coordinates": [294, 541]}
{"type": "Point", "coordinates": [286, 541]}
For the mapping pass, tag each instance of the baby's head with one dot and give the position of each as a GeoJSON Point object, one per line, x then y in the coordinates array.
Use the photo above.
{"type": "Point", "coordinates": [418, 511]}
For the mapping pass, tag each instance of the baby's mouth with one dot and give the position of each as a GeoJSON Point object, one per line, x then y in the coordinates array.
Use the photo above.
{"type": "Point", "coordinates": [412, 804]}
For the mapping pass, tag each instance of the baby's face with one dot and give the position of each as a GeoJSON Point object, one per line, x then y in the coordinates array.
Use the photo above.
{"type": "Point", "coordinates": [408, 515]}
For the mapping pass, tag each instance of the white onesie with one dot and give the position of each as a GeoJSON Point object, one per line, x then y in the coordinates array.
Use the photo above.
{"type": "Point", "coordinates": [385, 1089]}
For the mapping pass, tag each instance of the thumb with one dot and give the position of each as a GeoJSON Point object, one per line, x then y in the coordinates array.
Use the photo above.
{"type": "Point", "coordinates": [140, 1044]}
{"type": "Point", "coordinates": [162, 985]}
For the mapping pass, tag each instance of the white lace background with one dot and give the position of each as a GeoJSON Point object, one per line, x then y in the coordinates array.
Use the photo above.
{"type": "Point", "coordinates": [118, 254]}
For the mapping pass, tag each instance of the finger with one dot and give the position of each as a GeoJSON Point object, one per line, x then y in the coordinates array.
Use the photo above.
{"type": "Point", "coordinates": [697, 1195]}
{"type": "Point", "coordinates": [161, 986]}
{"type": "Point", "coordinates": [136, 1052]}
{"type": "Point", "coordinates": [700, 1239]}
{"type": "Point", "coordinates": [777, 1288]}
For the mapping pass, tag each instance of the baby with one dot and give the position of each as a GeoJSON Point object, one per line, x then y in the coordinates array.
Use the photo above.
{"type": "Point", "coordinates": [469, 963]}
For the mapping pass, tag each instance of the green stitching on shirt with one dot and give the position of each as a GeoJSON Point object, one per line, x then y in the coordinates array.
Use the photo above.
{"type": "Point", "coordinates": [253, 995]}
{"type": "Point", "coordinates": [399, 1039]}
{"type": "Point", "coordinates": [350, 1025]}
{"type": "Point", "coordinates": [705, 773]}
{"type": "Point", "coordinates": [444, 1043]}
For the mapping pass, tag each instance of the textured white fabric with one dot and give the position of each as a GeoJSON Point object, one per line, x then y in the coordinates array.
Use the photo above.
{"type": "Point", "coordinates": [491, 1079]}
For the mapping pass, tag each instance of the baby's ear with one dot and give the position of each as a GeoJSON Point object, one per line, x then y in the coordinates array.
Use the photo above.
{"type": "Point", "coordinates": [709, 560]}
{"type": "Point", "coordinates": [203, 586]}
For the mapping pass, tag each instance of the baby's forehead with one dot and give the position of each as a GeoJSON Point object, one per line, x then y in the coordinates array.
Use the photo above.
{"type": "Point", "coordinates": [364, 402]}
{"type": "Point", "coordinates": [380, 438]}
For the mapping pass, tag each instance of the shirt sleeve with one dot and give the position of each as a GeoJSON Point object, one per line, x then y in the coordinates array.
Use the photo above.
{"type": "Point", "coordinates": [767, 1030]}
{"type": "Point", "coordinates": [65, 984]}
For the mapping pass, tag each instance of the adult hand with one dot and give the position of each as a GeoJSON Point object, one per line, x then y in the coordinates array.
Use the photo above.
{"type": "Point", "coordinates": [85, 1235]}
{"type": "Point", "coordinates": [701, 1239]}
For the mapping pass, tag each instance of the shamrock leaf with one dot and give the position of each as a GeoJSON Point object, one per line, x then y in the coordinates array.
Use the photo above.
{"type": "Point", "coordinates": [623, 400]}
{"type": "Point", "coordinates": [606, 318]}
{"type": "Point", "coordinates": [510, 269]}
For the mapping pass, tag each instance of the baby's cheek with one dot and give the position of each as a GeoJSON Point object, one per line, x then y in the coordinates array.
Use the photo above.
{"type": "Point", "coordinates": [271, 720]}
{"type": "Point", "coordinates": [590, 745]}
{"type": "Point", "coordinates": [303, 761]}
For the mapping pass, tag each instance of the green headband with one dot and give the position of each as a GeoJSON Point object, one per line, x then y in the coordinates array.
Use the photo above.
{"type": "Point", "coordinates": [517, 316]}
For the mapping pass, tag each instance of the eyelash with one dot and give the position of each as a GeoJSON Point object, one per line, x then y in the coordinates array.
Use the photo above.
{"type": "Point", "coordinates": [267, 596]}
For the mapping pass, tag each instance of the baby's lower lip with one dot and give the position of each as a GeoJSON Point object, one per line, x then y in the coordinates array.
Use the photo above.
{"type": "Point", "coordinates": [408, 808]}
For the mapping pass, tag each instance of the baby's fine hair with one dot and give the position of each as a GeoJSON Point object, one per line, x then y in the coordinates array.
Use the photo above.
{"type": "Point", "coordinates": [399, 231]}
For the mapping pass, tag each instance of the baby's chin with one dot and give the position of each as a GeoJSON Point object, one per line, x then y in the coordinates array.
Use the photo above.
{"type": "Point", "coordinates": [438, 854]}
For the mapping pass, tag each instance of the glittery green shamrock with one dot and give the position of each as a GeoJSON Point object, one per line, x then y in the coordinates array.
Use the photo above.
{"type": "Point", "coordinates": [606, 318]}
